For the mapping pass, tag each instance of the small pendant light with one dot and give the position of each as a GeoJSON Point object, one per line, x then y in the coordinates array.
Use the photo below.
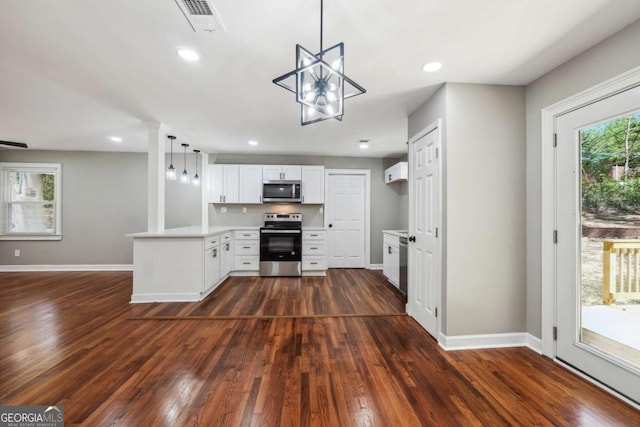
{"type": "Point", "coordinates": [184, 178]}
{"type": "Point", "coordinates": [171, 172]}
{"type": "Point", "coordinates": [196, 179]}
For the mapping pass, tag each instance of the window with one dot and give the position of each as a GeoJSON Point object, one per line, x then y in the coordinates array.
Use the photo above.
{"type": "Point", "coordinates": [30, 194]}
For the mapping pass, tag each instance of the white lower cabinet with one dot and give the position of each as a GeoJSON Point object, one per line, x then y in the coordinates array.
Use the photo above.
{"type": "Point", "coordinates": [211, 268]}
{"type": "Point", "coordinates": [226, 254]}
{"type": "Point", "coordinates": [391, 258]}
{"type": "Point", "coordinates": [247, 250]}
{"type": "Point", "coordinates": [314, 254]}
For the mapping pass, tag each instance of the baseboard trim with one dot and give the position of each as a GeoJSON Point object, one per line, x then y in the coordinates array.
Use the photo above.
{"type": "Point", "coordinates": [79, 267]}
{"type": "Point", "coordinates": [468, 342]}
{"type": "Point", "coordinates": [374, 267]}
{"type": "Point", "coordinates": [534, 343]}
{"type": "Point", "coordinates": [178, 297]}
{"type": "Point", "coordinates": [241, 273]}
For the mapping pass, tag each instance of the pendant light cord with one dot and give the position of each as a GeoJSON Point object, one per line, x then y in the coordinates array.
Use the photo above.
{"type": "Point", "coordinates": [321, 25]}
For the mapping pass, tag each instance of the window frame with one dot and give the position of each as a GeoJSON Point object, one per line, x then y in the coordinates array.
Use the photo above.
{"type": "Point", "coordinates": [50, 168]}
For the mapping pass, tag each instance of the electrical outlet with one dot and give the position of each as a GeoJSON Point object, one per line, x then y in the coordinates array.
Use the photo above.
{"type": "Point", "coordinates": [244, 209]}
{"type": "Point", "coordinates": [223, 209]}
{"type": "Point", "coordinates": [321, 210]}
{"type": "Point", "coordinates": [16, 252]}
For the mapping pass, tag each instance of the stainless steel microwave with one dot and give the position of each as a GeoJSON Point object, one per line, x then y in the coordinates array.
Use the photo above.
{"type": "Point", "coordinates": [281, 192]}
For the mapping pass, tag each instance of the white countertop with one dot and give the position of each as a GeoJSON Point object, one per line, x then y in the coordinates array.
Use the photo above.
{"type": "Point", "coordinates": [312, 228]}
{"type": "Point", "coordinates": [398, 233]}
{"type": "Point", "coordinates": [193, 231]}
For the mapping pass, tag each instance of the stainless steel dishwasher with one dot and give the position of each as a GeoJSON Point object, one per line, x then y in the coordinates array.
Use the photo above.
{"type": "Point", "coordinates": [403, 265]}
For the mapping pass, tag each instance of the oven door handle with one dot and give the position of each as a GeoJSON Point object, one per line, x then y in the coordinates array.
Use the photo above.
{"type": "Point", "coordinates": [281, 231]}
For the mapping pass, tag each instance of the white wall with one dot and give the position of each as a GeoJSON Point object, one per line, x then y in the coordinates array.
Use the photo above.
{"type": "Point", "coordinates": [484, 205]}
{"type": "Point", "coordinates": [613, 56]}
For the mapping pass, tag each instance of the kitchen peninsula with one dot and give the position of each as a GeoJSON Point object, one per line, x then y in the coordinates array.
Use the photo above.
{"type": "Point", "coordinates": [188, 263]}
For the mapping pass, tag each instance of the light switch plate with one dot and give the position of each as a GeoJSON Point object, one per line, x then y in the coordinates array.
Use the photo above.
{"type": "Point", "coordinates": [16, 252]}
{"type": "Point", "coordinates": [223, 209]}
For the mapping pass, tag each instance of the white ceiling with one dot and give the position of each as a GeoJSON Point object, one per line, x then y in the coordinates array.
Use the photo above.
{"type": "Point", "coordinates": [73, 72]}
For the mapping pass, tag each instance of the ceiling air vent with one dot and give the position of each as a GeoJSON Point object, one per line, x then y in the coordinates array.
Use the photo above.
{"type": "Point", "coordinates": [202, 15]}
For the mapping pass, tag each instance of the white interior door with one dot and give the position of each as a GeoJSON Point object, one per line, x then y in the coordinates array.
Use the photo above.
{"type": "Point", "coordinates": [345, 217]}
{"type": "Point", "coordinates": [423, 293]}
{"type": "Point", "coordinates": [573, 345]}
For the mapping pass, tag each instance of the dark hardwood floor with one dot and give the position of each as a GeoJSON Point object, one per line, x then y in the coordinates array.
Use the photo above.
{"type": "Point", "coordinates": [344, 292]}
{"type": "Point", "coordinates": [69, 339]}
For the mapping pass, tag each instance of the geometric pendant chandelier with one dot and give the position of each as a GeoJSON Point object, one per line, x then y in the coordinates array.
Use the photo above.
{"type": "Point", "coordinates": [319, 82]}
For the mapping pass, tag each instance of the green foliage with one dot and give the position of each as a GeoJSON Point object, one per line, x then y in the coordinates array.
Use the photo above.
{"type": "Point", "coordinates": [603, 146]}
{"type": "Point", "coordinates": [608, 193]}
{"type": "Point", "coordinates": [48, 186]}
{"type": "Point", "coordinates": [614, 143]}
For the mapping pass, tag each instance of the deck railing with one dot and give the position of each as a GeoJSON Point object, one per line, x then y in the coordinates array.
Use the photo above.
{"type": "Point", "coordinates": [621, 268]}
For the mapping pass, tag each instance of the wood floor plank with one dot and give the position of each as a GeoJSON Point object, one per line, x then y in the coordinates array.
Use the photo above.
{"type": "Point", "coordinates": [342, 292]}
{"type": "Point", "coordinates": [68, 338]}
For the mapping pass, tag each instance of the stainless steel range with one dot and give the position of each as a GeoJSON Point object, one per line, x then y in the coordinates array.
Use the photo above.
{"type": "Point", "coordinates": [281, 245]}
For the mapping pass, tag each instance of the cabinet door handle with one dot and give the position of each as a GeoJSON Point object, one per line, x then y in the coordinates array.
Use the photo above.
{"type": "Point", "coordinates": [246, 263]}
{"type": "Point", "coordinates": [215, 253]}
{"type": "Point", "coordinates": [246, 247]}
{"type": "Point", "coordinates": [313, 235]}
{"type": "Point", "coordinates": [389, 177]}
{"type": "Point", "coordinates": [302, 199]}
{"type": "Point", "coordinates": [314, 249]}
{"type": "Point", "coordinates": [313, 263]}
{"type": "Point", "coordinates": [389, 247]}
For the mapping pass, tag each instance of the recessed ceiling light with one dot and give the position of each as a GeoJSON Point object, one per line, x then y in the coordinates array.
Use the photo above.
{"type": "Point", "coordinates": [253, 143]}
{"type": "Point", "coordinates": [431, 67]}
{"type": "Point", "coordinates": [115, 139]}
{"type": "Point", "coordinates": [363, 144]}
{"type": "Point", "coordinates": [188, 54]}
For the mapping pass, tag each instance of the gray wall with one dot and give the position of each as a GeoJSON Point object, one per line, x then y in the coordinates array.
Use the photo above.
{"type": "Point", "coordinates": [613, 56]}
{"type": "Point", "coordinates": [182, 202]}
{"type": "Point", "coordinates": [483, 204]}
{"type": "Point", "coordinates": [485, 209]}
{"type": "Point", "coordinates": [104, 197]}
{"type": "Point", "coordinates": [383, 196]}
{"type": "Point", "coordinates": [401, 189]}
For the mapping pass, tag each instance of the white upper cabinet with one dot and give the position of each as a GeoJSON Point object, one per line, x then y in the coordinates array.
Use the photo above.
{"type": "Point", "coordinates": [397, 173]}
{"type": "Point", "coordinates": [313, 184]}
{"type": "Point", "coordinates": [250, 184]}
{"type": "Point", "coordinates": [243, 183]}
{"type": "Point", "coordinates": [279, 173]}
{"type": "Point", "coordinates": [223, 184]}
{"type": "Point", "coordinates": [292, 173]}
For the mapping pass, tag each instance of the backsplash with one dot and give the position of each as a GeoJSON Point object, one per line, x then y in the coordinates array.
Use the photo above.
{"type": "Point", "coordinates": [254, 216]}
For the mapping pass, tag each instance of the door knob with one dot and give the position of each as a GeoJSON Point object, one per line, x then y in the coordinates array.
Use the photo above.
{"type": "Point", "coordinates": [412, 238]}
{"type": "Point", "coordinates": [330, 225]}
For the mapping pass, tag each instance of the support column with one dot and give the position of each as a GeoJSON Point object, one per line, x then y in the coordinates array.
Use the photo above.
{"type": "Point", "coordinates": [204, 191]}
{"type": "Point", "coordinates": [157, 133]}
